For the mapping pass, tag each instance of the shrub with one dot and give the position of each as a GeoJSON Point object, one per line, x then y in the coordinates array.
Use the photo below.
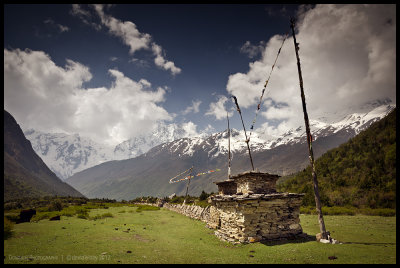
{"type": "Point", "coordinates": [98, 217]}
{"type": "Point", "coordinates": [203, 196]}
{"type": "Point", "coordinates": [177, 199]}
{"type": "Point", "coordinates": [385, 212]}
{"type": "Point", "coordinates": [8, 228]}
{"type": "Point", "coordinates": [202, 203]}
{"type": "Point", "coordinates": [13, 217]}
{"type": "Point", "coordinates": [82, 216]}
{"type": "Point", "coordinates": [56, 205]}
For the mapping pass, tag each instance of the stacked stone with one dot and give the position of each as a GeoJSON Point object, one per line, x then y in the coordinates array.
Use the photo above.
{"type": "Point", "coordinates": [193, 211]}
{"type": "Point", "coordinates": [255, 182]}
{"type": "Point", "coordinates": [256, 211]}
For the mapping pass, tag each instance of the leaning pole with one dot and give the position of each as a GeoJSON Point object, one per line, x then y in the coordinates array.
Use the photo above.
{"type": "Point", "coordinates": [309, 139]}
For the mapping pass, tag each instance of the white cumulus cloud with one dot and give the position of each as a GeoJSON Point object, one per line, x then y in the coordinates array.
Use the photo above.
{"type": "Point", "coordinates": [348, 58]}
{"type": "Point", "coordinates": [194, 108]}
{"type": "Point", "coordinates": [133, 38]}
{"type": "Point", "coordinates": [44, 96]}
{"type": "Point", "coordinates": [218, 110]}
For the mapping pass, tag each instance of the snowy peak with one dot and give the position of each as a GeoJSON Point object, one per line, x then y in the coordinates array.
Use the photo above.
{"type": "Point", "coordinates": [218, 143]}
{"type": "Point", "coordinates": [142, 144]}
{"type": "Point", "coordinates": [67, 154]}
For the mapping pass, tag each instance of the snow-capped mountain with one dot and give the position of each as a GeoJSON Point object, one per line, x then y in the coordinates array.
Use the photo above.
{"type": "Point", "coordinates": [217, 143]}
{"type": "Point", "coordinates": [141, 144]}
{"type": "Point", "coordinates": [149, 173]}
{"type": "Point", "coordinates": [69, 154]}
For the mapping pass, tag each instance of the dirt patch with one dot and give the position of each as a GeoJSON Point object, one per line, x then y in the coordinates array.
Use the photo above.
{"type": "Point", "coordinates": [140, 238]}
{"type": "Point", "coordinates": [117, 238]}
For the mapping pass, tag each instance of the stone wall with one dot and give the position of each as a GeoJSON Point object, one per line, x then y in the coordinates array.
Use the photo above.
{"type": "Point", "coordinates": [248, 218]}
{"type": "Point", "coordinates": [192, 211]}
{"type": "Point", "coordinates": [263, 217]}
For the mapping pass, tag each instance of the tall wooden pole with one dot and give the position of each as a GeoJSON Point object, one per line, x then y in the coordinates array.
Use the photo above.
{"type": "Point", "coordinates": [187, 186]}
{"type": "Point", "coordinates": [229, 148]}
{"type": "Point", "coordinates": [309, 139]}
{"type": "Point", "coordinates": [245, 133]}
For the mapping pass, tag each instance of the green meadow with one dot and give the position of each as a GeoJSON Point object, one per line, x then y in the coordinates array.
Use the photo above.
{"type": "Point", "coordinates": [130, 234]}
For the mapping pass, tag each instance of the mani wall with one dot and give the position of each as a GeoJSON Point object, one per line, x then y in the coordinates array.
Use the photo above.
{"type": "Point", "coordinates": [248, 209]}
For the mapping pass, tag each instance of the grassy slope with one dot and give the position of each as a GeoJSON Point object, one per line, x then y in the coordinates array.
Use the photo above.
{"type": "Point", "coordinates": [166, 237]}
{"type": "Point", "coordinates": [360, 172]}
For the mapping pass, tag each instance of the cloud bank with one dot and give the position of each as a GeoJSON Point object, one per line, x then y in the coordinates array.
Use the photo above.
{"type": "Point", "coordinates": [44, 96]}
{"type": "Point", "coordinates": [348, 58]}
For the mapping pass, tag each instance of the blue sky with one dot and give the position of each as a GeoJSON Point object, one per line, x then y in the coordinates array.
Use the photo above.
{"type": "Point", "coordinates": [178, 63]}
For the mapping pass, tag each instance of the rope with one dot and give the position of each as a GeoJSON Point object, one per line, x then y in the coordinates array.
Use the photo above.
{"type": "Point", "coordinates": [170, 181]}
{"type": "Point", "coordinates": [266, 83]}
{"type": "Point", "coordinates": [190, 177]}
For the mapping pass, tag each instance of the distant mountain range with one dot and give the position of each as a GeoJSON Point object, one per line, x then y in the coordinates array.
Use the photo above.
{"type": "Point", "coordinates": [149, 173]}
{"type": "Point", "coordinates": [68, 154]}
{"type": "Point", "coordinates": [25, 174]}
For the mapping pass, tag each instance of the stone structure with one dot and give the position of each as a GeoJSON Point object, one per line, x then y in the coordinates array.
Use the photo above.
{"type": "Point", "coordinates": [248, 209]}
{"type": "Point", "coordinates": [192, 211]}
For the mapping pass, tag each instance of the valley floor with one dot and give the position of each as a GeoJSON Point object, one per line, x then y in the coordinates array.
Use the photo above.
{"type": "Point", "coordinates": [163, 236]}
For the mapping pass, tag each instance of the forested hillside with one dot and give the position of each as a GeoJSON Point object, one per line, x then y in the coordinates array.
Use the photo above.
{"type": "Point", "coordinates": [360, 172]}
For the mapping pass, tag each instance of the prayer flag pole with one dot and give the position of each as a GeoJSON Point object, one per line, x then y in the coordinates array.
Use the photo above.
{"type": "Point", "coordinates": [187, 187]}
{"type": "Point", "coordinates": [245, 134]}
{"type": "Point", "coordinates": [309, 139]}
{"type": "Point", "coordinates": [229, 148]}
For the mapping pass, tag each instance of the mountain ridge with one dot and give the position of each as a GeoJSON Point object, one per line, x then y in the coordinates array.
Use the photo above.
{"type": "Point", "coordinates": [25, 173]}
{"type": "Point", "coordinates": [69, 154]}
{"type": "Point", "coordinates": [149, 173]}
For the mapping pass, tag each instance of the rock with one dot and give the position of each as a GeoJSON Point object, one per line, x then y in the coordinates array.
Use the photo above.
{"type": "Point", "coordinates": [26, 215]}
{"type": "Point", "coordinates": [318, 237]}
{"type": "Point", "coordinates": [253, 239]}
{"type": "Point", "coordinates": [294, 226]}
{"type": "Point", "coordinates": [55, 218]}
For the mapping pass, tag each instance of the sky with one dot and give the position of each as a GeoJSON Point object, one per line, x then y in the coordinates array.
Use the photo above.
{"type": "Point", "coordinates": [113, 72]}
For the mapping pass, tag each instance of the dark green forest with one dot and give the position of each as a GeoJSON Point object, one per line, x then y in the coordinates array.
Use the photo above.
{"type": "Point", "coordinates": [360, 173]}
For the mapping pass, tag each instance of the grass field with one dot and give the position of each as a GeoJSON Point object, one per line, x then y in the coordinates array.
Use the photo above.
{"type": "Point", "coordinates": [163, 236]}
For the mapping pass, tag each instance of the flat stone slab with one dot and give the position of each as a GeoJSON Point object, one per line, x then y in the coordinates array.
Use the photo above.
{"type": "Point", "coordinates": [240, 197]}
